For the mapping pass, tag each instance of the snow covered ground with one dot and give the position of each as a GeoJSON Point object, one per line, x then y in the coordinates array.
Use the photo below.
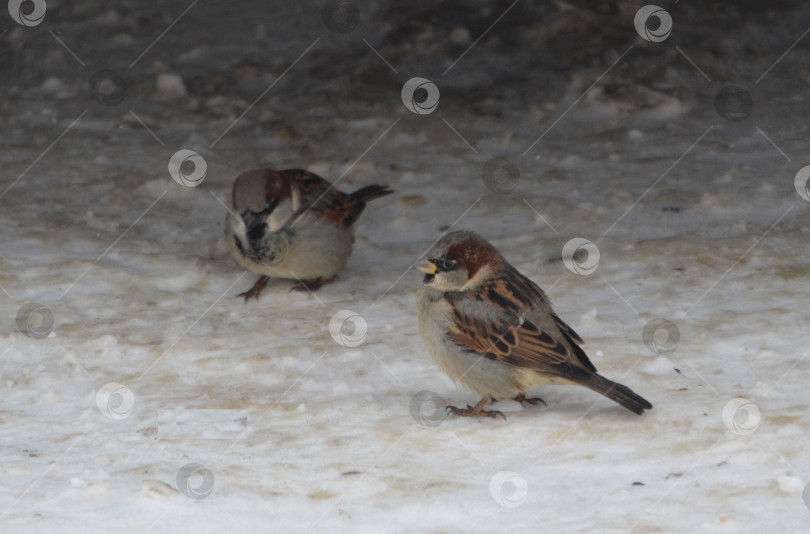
{"type": "Point", "coordinates": [140, 396]}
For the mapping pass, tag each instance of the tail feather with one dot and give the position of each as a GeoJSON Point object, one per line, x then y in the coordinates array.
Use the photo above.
{"type": "Point", "coordinates": [371, 192]}
{"type": "Point", "coordinates": [618, 393]}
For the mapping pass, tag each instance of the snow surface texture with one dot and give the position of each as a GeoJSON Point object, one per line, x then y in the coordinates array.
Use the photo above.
{"type": "Point", "coordinates": [140, 395]}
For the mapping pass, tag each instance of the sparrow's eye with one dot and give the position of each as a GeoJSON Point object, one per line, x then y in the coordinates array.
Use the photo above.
{"type": "Point", "coordinates": [446, 264]}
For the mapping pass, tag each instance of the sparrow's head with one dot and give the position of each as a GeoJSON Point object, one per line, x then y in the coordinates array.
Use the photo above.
{"type": "Point", "coordinates": [254, 190]}
{"type": "Point", "coordinates": [262, 203]}
{"type": "Point", "coordinates": [460, 261]}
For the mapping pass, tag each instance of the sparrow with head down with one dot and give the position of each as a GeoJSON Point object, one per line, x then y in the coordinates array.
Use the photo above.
{"type": "Point", "coordinates": [492, 330]}
{"type": "Point", "coordinates": [293, 224]}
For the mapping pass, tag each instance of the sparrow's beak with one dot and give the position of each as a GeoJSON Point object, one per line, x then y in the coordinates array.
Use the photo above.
{"type": "Point", "coordinates": [427, 267]}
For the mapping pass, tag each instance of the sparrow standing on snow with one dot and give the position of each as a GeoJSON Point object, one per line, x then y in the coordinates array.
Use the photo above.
{"type": "Point", "coordinates": [494, 331]}
{"type": "Point", "coordinates": [293, 224]}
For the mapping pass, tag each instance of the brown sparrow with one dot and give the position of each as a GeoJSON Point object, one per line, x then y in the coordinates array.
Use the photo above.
{"type": "Point", "coordinates": [494, 331]}
{"type": "Point", "coordinates": [293, 224]}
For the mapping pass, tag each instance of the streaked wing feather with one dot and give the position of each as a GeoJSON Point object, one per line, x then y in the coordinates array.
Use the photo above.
{"type": "Point", "coordinates": [575, 341]}
{"type": "Point", "coordinates": [511, 339]}
{"type": "Point", "coordinates": [523, 345]}
{"type": "Point", "coordinates": [567, 330]}
{"type": "Point", "coordinates": [332, 205]}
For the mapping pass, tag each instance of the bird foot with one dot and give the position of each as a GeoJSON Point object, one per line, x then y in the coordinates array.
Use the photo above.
{"type": "Point", "coordinates": [476, 411]}
{"type": "Point", "coordinates": [533, 401]}
{"type": "Point", "coordinates": [311, 285]}
{"type": "Point", "coordinates": [256, 290]}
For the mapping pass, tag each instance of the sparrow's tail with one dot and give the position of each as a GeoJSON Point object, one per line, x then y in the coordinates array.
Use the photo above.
{"type": "Point", "coordinates": [617, 393]}
{"type": "Point", "coordinates": [371, 192]}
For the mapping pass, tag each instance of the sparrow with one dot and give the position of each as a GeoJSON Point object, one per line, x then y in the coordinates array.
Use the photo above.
{"type": "Point", "coordinates": [293, 224]}
{"type": "Point", "coordinates": [493, 331]}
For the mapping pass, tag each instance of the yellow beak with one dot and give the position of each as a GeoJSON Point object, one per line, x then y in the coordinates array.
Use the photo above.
{"type": "Point", "coordinates": [426, 266]}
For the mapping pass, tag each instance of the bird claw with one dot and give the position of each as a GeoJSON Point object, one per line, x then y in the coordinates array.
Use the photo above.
{"type": "Point", "coordinates": [256, 290]}
{"type": "Point", "coordinates": [310, 285]}
{"type": "Point", "coordinates": [474, 411]}
{"type": "Point", "coordinates": [533, 401]}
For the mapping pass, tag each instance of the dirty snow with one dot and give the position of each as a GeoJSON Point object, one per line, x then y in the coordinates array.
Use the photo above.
{"type": "Point", "coordinates": [141, 396]}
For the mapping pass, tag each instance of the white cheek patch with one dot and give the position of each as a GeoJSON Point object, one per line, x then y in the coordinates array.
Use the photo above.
{"type": "Point", "coordinates": [295, 198]}
{"type": "Point", "coordinates": [280, 215]}
{"type": "Point", "coordinates": [445, 282]}
{"type": "Point", "coordinates": [480, 277]}
{"type": "Point", "coordinates": [237, 225]}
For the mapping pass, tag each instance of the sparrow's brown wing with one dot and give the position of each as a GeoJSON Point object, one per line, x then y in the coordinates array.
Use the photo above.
{"type": "Point", "coordinates": [567, 330]}
{"type": "Point", "coordinates": [519, 330]}
{"type": "Point", "coordinates": [319, 197]}
{"type": "Point", "coordinates": [309, 184]}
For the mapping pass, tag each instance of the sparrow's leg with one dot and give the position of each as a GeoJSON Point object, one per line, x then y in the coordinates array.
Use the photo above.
{"type": "Point", "coordinates": [534, 401]}
{"type": "Point", "coordinates": [475, 411]}
{"type": "Point", "coordinates": [311, 285]}
{"type": "Point", "coordinates": [256, 290]}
